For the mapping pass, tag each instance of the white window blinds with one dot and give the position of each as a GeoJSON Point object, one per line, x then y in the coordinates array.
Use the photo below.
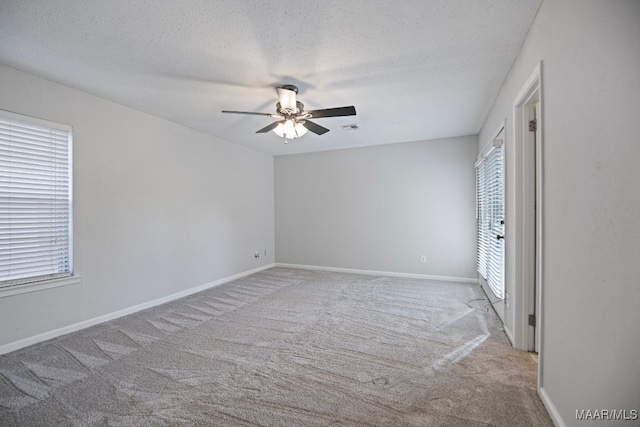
{"type": "Point", "coordinates": [490, 218]}
{"type": "Point", "coordinates": [35, 200]}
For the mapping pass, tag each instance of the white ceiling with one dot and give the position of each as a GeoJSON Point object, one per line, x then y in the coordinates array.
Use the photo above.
{"type": "Point", "coordinates": [414, 70]}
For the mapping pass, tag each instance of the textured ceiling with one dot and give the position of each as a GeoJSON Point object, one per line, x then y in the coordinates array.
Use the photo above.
{"type": "Point", "coordinates": [414, 70]}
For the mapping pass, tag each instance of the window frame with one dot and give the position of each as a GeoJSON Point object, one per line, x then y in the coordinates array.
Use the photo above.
{"type": "Point", "coordinates": [40, 282]}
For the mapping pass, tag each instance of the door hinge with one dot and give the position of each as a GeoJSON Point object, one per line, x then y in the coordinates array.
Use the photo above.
{"type": "Point", "coordinates": [533, 125]}
{"type": "Point", "coordinates": [532, 320]}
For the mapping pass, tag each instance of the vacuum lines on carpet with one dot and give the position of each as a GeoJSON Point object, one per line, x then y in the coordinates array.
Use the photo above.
{"type": "Point", "coordinates": [284, 347]}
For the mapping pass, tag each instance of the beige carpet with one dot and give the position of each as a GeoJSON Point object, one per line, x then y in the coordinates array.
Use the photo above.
{"type": "Point", "coordinates": [284, 347]}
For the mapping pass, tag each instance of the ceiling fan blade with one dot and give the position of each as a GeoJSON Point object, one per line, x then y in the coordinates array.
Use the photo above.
{"type": "Point", "coordinates": [333, 112]}
{"type": "Point", "coordinates": [317, 129]}
{"type": "Point", "coordinates": [272, 126]}
{"type": "Point", "coordinates": [248, 112]}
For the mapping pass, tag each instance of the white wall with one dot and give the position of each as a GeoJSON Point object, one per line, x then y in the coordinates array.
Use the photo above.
{"type": "Point", "coordinates": [590, 53]}
{"type": "Point", "coordinates": [380, 208]}
{"type": "Point", "coordinates": [159, 208]}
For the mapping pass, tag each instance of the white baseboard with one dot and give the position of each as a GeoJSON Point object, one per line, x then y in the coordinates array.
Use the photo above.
{"type": "Point", "coordinates": [551, 408]}
{"type": "Point", "coordinates": [380, 273]}
{"type": "Point", "coordinates": [16, 345]}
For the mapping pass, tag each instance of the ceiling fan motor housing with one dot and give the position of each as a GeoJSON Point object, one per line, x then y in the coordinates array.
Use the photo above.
{"type": "Point", "coordinates": [286, 112]}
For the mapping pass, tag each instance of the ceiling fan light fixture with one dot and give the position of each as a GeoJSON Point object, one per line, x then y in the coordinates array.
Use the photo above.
{"type": "Point", "coordinates": [290, 129]}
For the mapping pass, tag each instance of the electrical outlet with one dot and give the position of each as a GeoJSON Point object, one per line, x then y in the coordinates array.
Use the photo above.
{"type": "Point", "coordinates": [423, 258]}
{"type": "Point", "coordinates": [256, 254]}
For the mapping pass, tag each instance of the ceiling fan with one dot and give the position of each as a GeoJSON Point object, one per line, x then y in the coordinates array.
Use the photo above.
{"type": "Point", "coordinates": [293, 121]}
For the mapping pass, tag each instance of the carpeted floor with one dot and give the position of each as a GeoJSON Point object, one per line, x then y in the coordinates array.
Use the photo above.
{"type": "Point", "coordinates": [284, 347]}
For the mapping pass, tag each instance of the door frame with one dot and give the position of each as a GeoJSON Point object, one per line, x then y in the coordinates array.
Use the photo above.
{"type": "Point", "coordinates": [528, 288]}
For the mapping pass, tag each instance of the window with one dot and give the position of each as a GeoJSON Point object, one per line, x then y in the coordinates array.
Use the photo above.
{"type": "Point", "coordinates": [35, 201]}
{"type": "Point", "coordinates": [490, 218]}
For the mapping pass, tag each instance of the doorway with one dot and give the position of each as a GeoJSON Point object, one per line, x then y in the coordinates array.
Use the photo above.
{"type": "Point", "coordinates": [528, 289]}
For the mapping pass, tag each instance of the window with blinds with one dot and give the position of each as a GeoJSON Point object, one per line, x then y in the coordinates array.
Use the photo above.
{"type": "Point", "coordinates": [35, 200]}
{"type": "Point", "coordinates": [490, 218]}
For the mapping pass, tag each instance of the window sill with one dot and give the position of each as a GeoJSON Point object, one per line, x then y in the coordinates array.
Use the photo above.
{"type": "Point", "coordinates": [38, 286]}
